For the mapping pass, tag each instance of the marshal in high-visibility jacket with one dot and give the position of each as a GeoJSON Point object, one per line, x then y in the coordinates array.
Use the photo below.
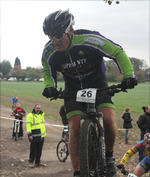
{"type": "Point", "coordinates": [35, 124]}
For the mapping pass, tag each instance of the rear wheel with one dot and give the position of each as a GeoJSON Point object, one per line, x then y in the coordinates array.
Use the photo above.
{"type": "Point", "coordinates": [88, 150]}
{"type": "Point", "coordinates": [62, 150]}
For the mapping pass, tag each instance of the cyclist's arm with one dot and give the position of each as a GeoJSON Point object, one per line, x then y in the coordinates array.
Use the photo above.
{"type": "Point", "coordinates": [128, 155]}
{"type": "Point", "coordinates": [49, 73]}
{"type": "Point", "coordinates": [49, 81]}
{"type": "Point", "coordinates": [116, 52]}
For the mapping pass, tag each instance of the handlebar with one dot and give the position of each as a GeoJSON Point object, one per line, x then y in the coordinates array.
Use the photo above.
{"type": "Point", "coordinates": [111, 90]}
{"type": "Point", "coordinates": [123, 170]}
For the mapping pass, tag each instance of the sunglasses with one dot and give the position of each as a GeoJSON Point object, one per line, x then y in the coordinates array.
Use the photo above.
{"type": "Point", "coordinates": [57, 37]}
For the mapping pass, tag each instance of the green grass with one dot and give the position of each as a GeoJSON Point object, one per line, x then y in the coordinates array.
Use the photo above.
{"type": "Point", "coordinates": [30, 93]}
{"type": "Point", "coordinates": [135, 98]}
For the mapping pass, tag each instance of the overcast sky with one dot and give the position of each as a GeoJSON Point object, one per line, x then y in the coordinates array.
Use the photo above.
{"type": "Point", "coordinates": [22, 35]}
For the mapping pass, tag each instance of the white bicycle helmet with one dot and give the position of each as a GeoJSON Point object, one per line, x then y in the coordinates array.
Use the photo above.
{"type": "Point", "coordinates": [147, 137]}
{"type": "Point", "coordinates": [131, 175]}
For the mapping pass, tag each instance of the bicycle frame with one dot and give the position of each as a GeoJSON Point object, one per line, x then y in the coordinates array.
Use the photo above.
{"type": "Point", "coordinates": [17, 126]}
{"type": "Point", "coordinates": [97, 119]}
{"type": "Point", "coordinates": [93, 124]}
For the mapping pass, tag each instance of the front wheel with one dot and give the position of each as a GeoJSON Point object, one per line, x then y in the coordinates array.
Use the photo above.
{"type": "Point", "coordinates": [16, 133]}
{"type": "Point", "coordinates": [88, 150]}
{"type": "Point", "coordinates": [62, 150]}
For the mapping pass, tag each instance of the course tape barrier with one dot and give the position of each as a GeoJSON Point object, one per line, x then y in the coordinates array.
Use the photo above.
{"type": "Point", "coordinates": [54, 125]}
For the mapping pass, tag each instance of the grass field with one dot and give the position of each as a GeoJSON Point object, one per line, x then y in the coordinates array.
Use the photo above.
{"type": "Point", "coordinates": [30, 93]}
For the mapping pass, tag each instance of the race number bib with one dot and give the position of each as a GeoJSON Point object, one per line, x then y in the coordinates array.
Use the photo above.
{"type": "Point", "coordinates": [86, 95]}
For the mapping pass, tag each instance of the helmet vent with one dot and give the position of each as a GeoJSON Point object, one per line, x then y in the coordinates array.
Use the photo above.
{"type": "Point", "coordinates": [60, 12]}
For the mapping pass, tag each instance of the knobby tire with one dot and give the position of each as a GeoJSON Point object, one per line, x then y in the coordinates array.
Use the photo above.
{"type": "Point", "coordinates": [88, 150]}
{"type": "Point", "coordinates": [62, 150]}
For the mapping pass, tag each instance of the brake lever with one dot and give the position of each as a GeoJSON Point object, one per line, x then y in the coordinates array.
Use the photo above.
{"type": "Point", "coordinates": [125, 172]}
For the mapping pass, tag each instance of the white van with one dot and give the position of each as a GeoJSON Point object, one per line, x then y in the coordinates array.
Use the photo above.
{"type": "Point", "coordinates": [12, 79]}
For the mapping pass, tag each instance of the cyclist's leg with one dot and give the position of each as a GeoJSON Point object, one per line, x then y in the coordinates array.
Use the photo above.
{"type": "Point", "coordinates": [110, 135]}
{"type": "Point", "coordinates": [74, 131]}
{"type": "Point", "coordinates": [142, 167]}
{"type": "Point", "coordinates": [110, 128]}
{"type": "Point", "coordinates": [105, 105]}
{"type": "Point", "coordinates": [138, 171]}
{"type": "Point", "coordinates": [73, 111]}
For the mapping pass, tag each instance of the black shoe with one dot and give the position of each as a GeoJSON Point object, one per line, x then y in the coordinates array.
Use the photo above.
{"type": "Point", "coordinates": [76, 174]}
{"type": "Point", "coordinates": [39, 164]}
{"type": "Point", "coordinates": [111, 167]}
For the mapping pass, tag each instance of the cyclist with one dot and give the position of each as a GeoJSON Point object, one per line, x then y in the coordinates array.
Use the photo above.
{"type": "Point", "coordinates": [78, 55]}
{"type": "Point", "coordinates": [19, 113]}
{"type": "Point", "coordinates": [14, 100]}
{"type": "Point", "coordinates": [144, 147]}
{"type": "Point", "coordinates": [62, 113]}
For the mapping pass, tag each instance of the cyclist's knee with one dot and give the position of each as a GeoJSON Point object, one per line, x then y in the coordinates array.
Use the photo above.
{"type": "Point", "coordinates": [74, 126]}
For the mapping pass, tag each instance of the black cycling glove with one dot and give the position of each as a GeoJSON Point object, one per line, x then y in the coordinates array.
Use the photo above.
{"type": "Point", "coordinates": [50, 92]}
{"type": "Point", "coordinates": [128, 83]}
{"type": "Point", "coordinates": [120, 166]}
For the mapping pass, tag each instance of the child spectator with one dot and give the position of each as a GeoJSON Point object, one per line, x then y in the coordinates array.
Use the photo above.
{"type": "Point", "coordinates": [19, 113]}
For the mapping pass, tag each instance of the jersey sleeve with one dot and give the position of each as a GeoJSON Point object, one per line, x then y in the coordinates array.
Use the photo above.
{"type": "Point", "coordinates": [49, 80]}
{"type": "Point", "coordinates": [116, 52]}
{"type": "Point", "coordinates": [128, 155]}
{"type": "Point", "coordinates": [110, 50]}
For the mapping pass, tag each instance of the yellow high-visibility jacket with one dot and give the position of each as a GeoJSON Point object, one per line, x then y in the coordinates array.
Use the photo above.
{"type": "Point", "coordinates": [35, 125]}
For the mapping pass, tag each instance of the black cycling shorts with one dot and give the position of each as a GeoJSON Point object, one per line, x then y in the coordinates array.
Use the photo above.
{"type": "Point", "coordinates": [76, 108]}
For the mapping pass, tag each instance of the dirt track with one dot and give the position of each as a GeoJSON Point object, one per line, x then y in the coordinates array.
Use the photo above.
{"type": "Point", "coordinates": [14, 154]}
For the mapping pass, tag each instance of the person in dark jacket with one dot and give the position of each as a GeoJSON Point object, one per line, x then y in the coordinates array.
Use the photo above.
{"type": "Point", "coordinates": [144, 125]}
{"type": "Point", "coordinates": [127, 123]}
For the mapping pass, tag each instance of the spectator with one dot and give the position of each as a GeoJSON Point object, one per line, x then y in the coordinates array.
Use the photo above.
{"type": "Point", "coordinates": [19, 113]}
{"type": "Point", "coordinates": [144, 125]}
{"type": "Point", "coordinates": [35, 124]}
{"type": "Point", "coordinates": [127, 123]}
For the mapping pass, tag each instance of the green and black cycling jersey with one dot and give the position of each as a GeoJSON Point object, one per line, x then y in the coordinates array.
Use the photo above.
{"type": "Point", "coordinates": [82, 63]}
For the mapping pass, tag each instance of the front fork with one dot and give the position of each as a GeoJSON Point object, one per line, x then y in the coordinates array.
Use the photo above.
{"type": "Point", "coordinates": [101, 142]}
{"type": "Point", "coordinates": [17, 122]}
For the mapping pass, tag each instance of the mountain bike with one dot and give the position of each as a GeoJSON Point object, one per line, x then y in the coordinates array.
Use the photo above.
{"type": "Point", "coordinates": [92, 141]}
{"type": "Point", "coordinates": [13, 106]}
{"type": "Point", "coordinates": [17, 125]}
{"type": "Point", "coordinates": [62, 150]}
